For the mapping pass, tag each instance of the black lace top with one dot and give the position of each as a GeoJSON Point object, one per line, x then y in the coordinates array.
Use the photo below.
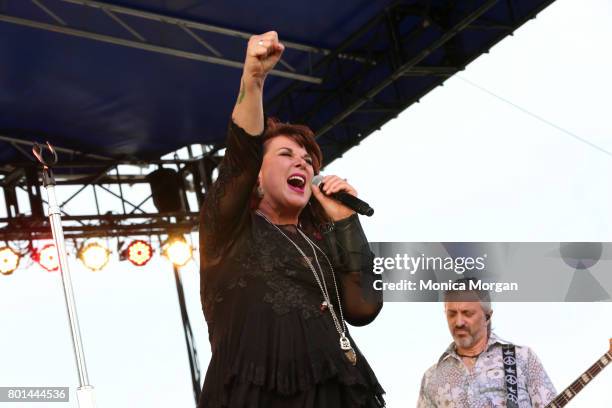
{"type": "Point", "coordinates": [271, 344]}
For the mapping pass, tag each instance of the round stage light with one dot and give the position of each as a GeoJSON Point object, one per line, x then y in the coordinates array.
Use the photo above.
{"type": "Point", "coordinates": [139, 252]}
{"type": "Point", "coordinates": [9, 260]}
{"type": "Point", "coordinates": [47, 258]}
{"type": "Point", "coordinates": [178, 251]}
{"type": "Point", "coordinates": [94, 256]}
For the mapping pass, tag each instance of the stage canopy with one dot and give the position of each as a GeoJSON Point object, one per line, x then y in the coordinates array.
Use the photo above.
{"type": "Point", "coordinates": [127, 82]}
{"type": "Point", "coordinates": [141, 78]}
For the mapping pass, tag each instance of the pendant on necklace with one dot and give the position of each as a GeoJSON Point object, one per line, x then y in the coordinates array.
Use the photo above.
{"type": "Point", "coordinates": [324, 306]}
{"type": "Point", "coordinates": [345, 345]}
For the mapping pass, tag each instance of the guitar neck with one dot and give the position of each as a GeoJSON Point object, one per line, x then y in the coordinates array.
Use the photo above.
{"type": "Point", "coordinates": [570, 392]}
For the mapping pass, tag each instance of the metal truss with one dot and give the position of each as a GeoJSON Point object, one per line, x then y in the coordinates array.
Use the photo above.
{"type": "Point", "coordinates": [131, 218]}
{"type": "Point", "coordinates": [424, 45]}
{"type": "Point", "coordinates": [129, 18]}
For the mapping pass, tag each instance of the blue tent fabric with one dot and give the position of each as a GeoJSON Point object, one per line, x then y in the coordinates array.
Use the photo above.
{"type": "Point", "coordinates": [123, 102]}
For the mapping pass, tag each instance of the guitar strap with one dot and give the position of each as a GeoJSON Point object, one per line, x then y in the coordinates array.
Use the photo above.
{"type": "Point", "coordinates": [510, 375]}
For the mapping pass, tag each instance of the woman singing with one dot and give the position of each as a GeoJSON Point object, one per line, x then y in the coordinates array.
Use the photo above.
{"type": "Point", "coordinates": [283, 267]}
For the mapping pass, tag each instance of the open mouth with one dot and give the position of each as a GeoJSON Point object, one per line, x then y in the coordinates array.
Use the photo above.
{"type": "Point", "coordinates": [297, 182]}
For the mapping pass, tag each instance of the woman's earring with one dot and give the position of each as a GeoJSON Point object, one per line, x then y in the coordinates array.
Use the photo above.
{"type": "Point", "coordinates": [260, 192]}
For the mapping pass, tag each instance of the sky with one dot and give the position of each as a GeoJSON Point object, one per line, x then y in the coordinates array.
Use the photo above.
{"type": "Point", "coordinates": [518, 147]}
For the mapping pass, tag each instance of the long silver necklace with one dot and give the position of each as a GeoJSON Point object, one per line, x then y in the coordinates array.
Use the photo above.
{"type": "Point", "coordinates": [326, 304]}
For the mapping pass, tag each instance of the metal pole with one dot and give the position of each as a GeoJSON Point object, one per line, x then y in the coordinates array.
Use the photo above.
{"type": "Point", "coordinates": [85, 392]}
{"type": "Point", "coordinates": [192, 353]}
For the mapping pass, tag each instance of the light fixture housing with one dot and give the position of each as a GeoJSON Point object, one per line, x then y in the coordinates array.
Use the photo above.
{"type": "Point", "coordinates": [9, 260]}
{"type": "Point", "coordinates": [178, 251]}
{"type": "Point", "coordinates": [139, 252]}
{"type": "Point", "coordinates": [46, 257]}
{"type": "Point", "coordinates": [94, 256]}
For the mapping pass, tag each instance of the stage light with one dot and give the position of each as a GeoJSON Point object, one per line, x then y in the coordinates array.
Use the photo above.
{"type": "Point", "coordinates": [47, 258]}
{"type": "Point", "coordinates": [178, 251]}
{"type": "Point", "coordinates": [94, 256]}
{"type": "Point", "coordinates": [9, 260]}
{"type": "Point", "coordinates": [139, 252]}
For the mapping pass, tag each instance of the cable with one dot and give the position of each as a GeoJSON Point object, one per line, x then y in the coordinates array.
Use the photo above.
{"type": "Point", "coordinates": [533, 115]}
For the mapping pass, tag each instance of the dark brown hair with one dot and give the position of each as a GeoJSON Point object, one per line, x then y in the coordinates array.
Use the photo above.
{"type": "Point", "coordinates": [313, 216]}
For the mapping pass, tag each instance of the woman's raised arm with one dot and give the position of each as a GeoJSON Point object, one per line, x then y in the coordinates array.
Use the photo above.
{"type": "Point", "coordinates": [263, 52]}
{"type": "Point", "coordinates": [227, 202]}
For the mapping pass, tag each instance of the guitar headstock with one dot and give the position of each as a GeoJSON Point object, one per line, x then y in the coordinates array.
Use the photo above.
{"type": "Point", "coordinates": [610, 346]}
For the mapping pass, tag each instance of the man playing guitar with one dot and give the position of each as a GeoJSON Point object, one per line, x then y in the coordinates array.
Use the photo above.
{"type": "Point", "coordinates": [480, 370]}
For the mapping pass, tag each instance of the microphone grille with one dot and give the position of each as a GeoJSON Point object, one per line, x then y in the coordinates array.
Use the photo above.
{"type": "Point", "coordinates": [316, 180]}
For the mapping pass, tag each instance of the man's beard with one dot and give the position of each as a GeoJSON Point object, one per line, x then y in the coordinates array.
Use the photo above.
{"type": "Point", "coordinates": [466, 340]}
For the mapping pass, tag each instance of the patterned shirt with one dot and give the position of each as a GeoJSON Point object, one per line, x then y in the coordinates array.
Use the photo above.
{"type": "Point", "coordinates": [450, 384]}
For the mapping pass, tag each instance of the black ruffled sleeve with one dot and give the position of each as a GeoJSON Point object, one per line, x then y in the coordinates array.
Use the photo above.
{"type": "Point", "coordinates": [226, 206]}
{"type": "Point", "coordinates": [352, 258]}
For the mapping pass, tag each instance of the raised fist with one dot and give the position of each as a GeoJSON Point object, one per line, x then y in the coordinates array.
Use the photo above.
{"type": "Point", "coordinates": [263, 52]}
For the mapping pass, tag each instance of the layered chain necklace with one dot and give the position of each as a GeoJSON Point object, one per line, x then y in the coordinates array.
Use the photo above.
{"type": "Point", "coordinates": [326, 304]}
